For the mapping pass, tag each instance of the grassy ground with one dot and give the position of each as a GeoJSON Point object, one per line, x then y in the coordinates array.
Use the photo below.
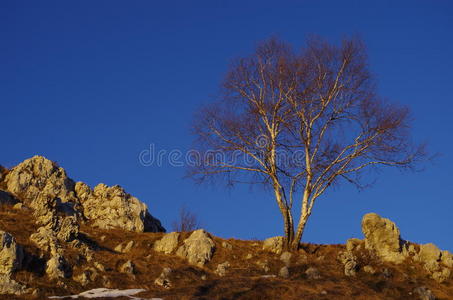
{"type": "Point", "coordinates": [244, 279]}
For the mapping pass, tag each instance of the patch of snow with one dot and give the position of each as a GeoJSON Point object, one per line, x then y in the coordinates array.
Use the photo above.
{"type": "Point", "coordinates": [103, 292]}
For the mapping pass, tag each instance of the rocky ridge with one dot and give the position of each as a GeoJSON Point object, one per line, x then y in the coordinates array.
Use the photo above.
{"type": "Point", "coordinates": [58, 236]}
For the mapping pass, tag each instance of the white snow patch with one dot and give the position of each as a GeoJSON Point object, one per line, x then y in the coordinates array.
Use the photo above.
{"type": "Point", "coordinates": [103, 292]}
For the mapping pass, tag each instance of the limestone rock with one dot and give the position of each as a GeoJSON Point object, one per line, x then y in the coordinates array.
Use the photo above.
{"type": "Point", "coordinates": [128, 268]}
{"type": "Point", "coordinates": [83, 278]}
{"type": "Point", "coordinates": [11, 254]}
{"type": "Point", "coordinates": [18, 206]}
{"type": "Point", "coordinates": [68, 230]}
{"type": "Point", "coordinates": [447, 259]}
{"type": "Point", "coordinates": [284, 272]}
{"type": "Point", "coordinates": [198, 248]}
{"type": "Point", "coordinates": [38, 178]}
{"type": "Point", "coordinates": [168, 243]}
{"type": "Point", "coordinates": [57, 267]}
{"type": "Point", "coordinates": [349, 262]}
{"type": "Point", "coordinates": [441, 275]}
{"type": "Point", "coordinates": [164, 278]}
{"type": "Point", "coordinates": [124, 248]}
{"type": "Point", "coordinates": [274, 244]}
{"type": "Point", "coordinates": [45, 187]}
{"type": "Point", "coordinates": [222, 268]}
{"type": "Point", "coordinates": [383, 237]}
{"type": "Point", "coordinates": [263, 265]}
{"type": "Point", "coordinates": [424, 294]}
{"type": "Point", "coordinates": [111, 207]}
{"type": "Point", "coordinates": [44, 238]}
{"type": "Point", "coordinates": [286, 258]}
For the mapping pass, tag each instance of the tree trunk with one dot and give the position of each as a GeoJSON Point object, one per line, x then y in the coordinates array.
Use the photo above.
{"type": "Point", "coordinates": [299, 233]}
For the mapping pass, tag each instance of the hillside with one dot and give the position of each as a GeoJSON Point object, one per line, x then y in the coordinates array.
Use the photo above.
{"type": "Point", "coordinates": [59, 237]}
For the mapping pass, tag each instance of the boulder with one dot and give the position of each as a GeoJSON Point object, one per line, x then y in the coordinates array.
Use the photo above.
{"type": "Point", "coordinates": [128, 267]}
{"type": "Point", "coordinates": [383, 237]}
{"type": "Point", "coordinates": [349, 262]}
{"type": "Point", "coordinates": [164, 278]}
{"type": "Point", "coordinates": [284, 272]}
{"type": "Point", "coordinates": [198, 248]}
{"type": "Point", "coordinates": [286, 258]}
{"type": "Point", "coordinates": [274, 244]}
{"type": "Point", "coordinates": [111, 207]}
{"type": "Point", "coordinates": [222, 268]}
{"type": "Point", "coordinates": [168, 243]}
{"type": "Point", "coordinates": [11, 254]}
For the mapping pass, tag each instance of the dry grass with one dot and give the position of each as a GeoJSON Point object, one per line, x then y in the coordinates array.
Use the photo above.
{"type": "Point", "coordinates": [243, 280]}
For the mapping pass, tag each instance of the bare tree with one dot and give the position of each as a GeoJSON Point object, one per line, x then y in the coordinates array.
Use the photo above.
{"type": "Point", "coordinates": [300, 122]}
{"type": "Point", "coordinates": [187, 221]}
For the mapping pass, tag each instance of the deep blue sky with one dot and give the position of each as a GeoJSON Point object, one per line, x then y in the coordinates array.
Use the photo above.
{"type": "Point", "coordinates": [90, 84]}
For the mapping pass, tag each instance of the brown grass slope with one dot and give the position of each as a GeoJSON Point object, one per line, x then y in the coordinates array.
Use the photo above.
{"type": "Point", "coordinates": [244, 279]}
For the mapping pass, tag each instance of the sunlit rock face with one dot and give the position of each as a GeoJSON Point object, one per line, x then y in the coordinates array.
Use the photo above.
{"type": "Point", "coordinates": [111, 207]}
{"type": "Point", "coordinates": [383, 237]}
{"type": "Point", "coordinates": [44, 186]}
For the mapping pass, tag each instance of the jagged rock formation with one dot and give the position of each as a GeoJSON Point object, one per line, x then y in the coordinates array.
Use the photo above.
{"type": "Point", "coordinates": [11, 257]}
{"type": "Point", "coordinates": [383, 237]}
{"type": "Point", "coordinates": [198, 248]}
{"type": "Point", "coordinates": [44, 186]}
{"type": "Point", "coordinates": [38, 179]}
{"type": "Point", "coordinates": [111, 207]}
{"type": "Point", "coordinates": [11, 254]}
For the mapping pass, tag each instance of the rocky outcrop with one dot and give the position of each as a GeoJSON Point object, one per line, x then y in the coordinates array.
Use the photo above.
{"type": "Point", "coordinates": [11, 257]}
{"type": "Point", "coordinates": [11, 254]}
{"type": "Point", "coordinates": [111, 207]}
{"type": "Point", "coordinates": [38, 178]}
{"type": "Point", "coordinates": [44, 186]}
{"type": "Point", "coordinates": [198, 248]}
{"type": "Point", "coordinates": [383, 237]}
{"type": "Point", "coordinates": [274, 244]}
{"type": "Point", "coordinates": [168, 243]}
